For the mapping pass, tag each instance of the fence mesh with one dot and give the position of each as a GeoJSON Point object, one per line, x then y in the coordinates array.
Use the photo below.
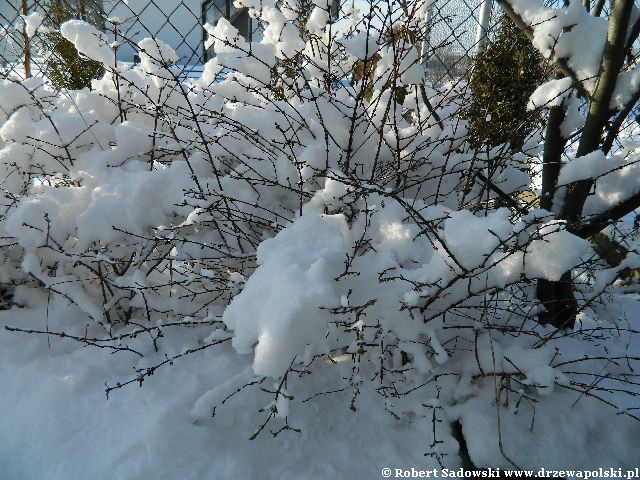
{"type": "Point", "coordinates": [455, 31]}
{"type": "Point", "coordinates": [450, 42]}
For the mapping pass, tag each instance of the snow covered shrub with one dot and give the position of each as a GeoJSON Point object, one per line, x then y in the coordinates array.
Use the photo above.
{"type": "Point", "coordinates": [346, 237]}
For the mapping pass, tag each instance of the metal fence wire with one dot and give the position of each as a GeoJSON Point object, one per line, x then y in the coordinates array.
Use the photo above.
{"type": "Point", "coordinates": [456, 29]}
{"type": "Point", "coordinates": [455, 32]}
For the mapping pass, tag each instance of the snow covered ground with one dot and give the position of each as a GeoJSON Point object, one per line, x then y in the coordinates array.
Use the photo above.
{"type": "Point", "coordinates": [57, 423]}
{"type": "Point", "coordinates": [275, 278]}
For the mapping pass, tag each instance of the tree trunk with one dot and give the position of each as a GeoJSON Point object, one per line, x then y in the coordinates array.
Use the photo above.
{"type": "Point", "coordinates": [552, 158]}
{"type": "Point", "coordinates": [26, 51]}
{"type": "Point", "coordinates": [559, 301]}
{"type": "Point", "coordinates": [559, 307]}
{"type": "Point", "coordinates": [558, 297]}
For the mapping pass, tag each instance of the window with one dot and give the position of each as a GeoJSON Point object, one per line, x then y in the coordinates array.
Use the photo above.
{"type": "Point", "coordinates": [334, 11]}
{"type": "Point", "coordinates": [214, 10]}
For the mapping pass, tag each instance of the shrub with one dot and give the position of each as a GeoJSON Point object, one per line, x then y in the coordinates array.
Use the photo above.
{"type": "Point", "coordinates": [503, 77]}
{"type": "Point", "coordinates": [66, 68]}
{"type": "Point", "coordinates": [341, 238]}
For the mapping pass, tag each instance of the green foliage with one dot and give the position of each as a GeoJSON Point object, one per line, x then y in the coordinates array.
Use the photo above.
{"type": "Point", "coordinates": [65, 67]}
{"type": "Point", "coordinates": [503, 78]}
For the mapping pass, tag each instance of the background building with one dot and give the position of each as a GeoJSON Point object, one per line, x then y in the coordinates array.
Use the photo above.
{"type": "Point", "coordinates": [177, 23]}
{"type": "Point", "coordinates": [453, 28]}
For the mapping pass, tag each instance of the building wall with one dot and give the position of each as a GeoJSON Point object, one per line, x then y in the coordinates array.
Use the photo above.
{"type": "Point", "coordinates": [8, 9]}
{"type": "Point", "coordinates": [175, 22]}
{"type": "Point", "coordinates": [9, 46]}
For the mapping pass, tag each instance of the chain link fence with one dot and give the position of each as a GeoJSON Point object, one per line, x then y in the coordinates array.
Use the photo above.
{"type": "Point", "coordinates": [456, 29]}
{"type": "Point", "coordinates": [26, 26]}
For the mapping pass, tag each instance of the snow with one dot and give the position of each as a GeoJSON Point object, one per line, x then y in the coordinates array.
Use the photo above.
{"type": "Point", "coordinates": [14, 95]}
{"type": "Point", "coordinates": [279, 252]}
{"type": "Point", "coordinates": [616, 182]}
{"type": "Point", "coordinates": [58, 422]}
{"type": "Point", "coordinates": [627, 85]}
{"type": "Point", "coordinates": [550, 94]}
{"type": "Point", "coordinates": [560, 436]}
{"type": "Point", "coordinates": [574, 117]}
{"type": "Point", "coordinates": [554, 253]}
{"type": "Point", "coordinates": [361, 46]}
{"type": "Point", "coordinates": [88, 40]}
{"type": "Point", "coordinates": [155, 54]}
{"type": "Point", "coordinates": [562, 33]}
{"type": "Point", "coordinates": [280, 305]}
{"type": "Point", "coordinates": [32, 23]}
{"type": "Point", "coordinates": [62, 426]}
{"type": "Point", "coordinates": [471, 238]}
{"type": "Point", "coordinates": [591, 165]}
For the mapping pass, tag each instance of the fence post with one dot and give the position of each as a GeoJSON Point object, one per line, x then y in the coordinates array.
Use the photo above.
{"type": "Point", "coordinates": [483, 25]}
{"type": "Point", "coordinates": [26, 50]}
{"type": "Point", "coordinates": [424, 48]}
